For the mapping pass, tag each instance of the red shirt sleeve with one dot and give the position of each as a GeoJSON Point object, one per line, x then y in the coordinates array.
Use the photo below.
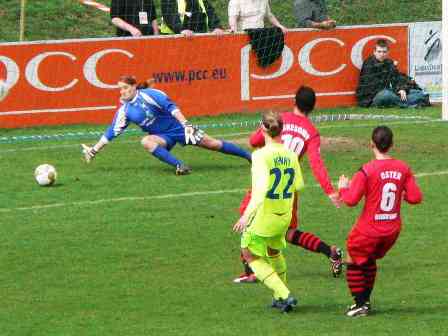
{"type": "Point", "coordinates": [317, 165]}
{"type": "Point", "coordinates": [256, 139]}
{"type": "Point", "coordinates": [412, 194]}
{"type": "Point", "coordinates": [353, 194]}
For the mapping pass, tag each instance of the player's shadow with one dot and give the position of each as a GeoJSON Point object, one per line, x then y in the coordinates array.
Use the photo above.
{"type": "Point", "coordinates": [220, 167]}
{"type": "Point", "coordinates": [56, 185]}
{"type": "Point", "coordinates": [412, 310]}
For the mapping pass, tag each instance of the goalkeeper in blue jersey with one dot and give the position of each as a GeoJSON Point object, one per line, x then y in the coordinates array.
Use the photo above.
{"type": "Point", "coordinates": [156, 114]}
{"type": "Point", "coordinates": [276, 178]}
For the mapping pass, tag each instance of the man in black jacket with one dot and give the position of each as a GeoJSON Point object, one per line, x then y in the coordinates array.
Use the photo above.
{"type": "Point", "coordinates": [134, 17]}
{"type": "Point", "coordinates": [188, 17]}
{"type": "Point", "coordinates": [382, 85]}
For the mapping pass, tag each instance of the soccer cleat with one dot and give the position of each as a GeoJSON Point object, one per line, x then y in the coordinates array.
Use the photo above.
{"type": "Point", "coordinates": [358, 310]}
{"type": "Point", "coordinates": [336, 261]}
{"type": "Point", "coordinates": [182, 170]}
{"type": "Point", "coordinates": [246, 278]}
{"type": "Point", "coordinates": [285, 305]}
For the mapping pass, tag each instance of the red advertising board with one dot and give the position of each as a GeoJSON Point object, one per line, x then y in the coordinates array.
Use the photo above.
{"type": "Point", "coordinates": [74, 81]}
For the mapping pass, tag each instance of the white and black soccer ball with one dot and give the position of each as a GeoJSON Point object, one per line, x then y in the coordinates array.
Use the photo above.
{"type": "Point", "coordinates": [45, 175]}
{"type": "Point", "coordinates": [4, 89]}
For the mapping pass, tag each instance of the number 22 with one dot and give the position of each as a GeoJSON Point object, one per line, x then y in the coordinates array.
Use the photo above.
{"type": "Point", "coordinates": [278, 176]}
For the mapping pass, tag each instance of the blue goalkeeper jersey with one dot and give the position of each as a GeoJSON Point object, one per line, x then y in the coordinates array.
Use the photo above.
{"type": "Point", "coordinates": [150, 109]}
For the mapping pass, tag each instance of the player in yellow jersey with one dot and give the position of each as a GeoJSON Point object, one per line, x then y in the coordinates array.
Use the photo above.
{"type": "Point", "coordinates": [276, 177]}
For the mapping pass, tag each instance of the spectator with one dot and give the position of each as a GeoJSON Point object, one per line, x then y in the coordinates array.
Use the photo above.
{"type": "Point", "coordinates": [312, 14]}
{"type": "Point", "coordinates": [188, 17]}
{"type": "Point", "coordinates": [134, 17]}
{"type": "Point", "coordinates": [247, 14]}
{"type": "Point", "coordinates": [382, 85]}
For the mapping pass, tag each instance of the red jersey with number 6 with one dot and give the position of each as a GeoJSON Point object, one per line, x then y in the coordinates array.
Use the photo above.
{"type": "Point", "coordinates": [384, 183]}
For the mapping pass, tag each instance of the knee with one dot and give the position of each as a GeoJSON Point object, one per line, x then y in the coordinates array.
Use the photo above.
{"type": "Point", "coordinates": [247, 256]}
{"type": "Point", "coordinates": [148, 143]}
{"type": "Point", "coordinates": [290, 234]}
{"type": "Point", "coordinates": [211, 143]}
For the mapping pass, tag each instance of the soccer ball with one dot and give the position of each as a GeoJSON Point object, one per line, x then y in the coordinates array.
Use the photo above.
{"type": "Point", "coordinates": [3, 90]}
{"type": "Point", "coordinates": [45, 174]}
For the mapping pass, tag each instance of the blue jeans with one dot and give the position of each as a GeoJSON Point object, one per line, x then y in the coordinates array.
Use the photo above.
{"type": "Point", "coordinates": [388, 98]}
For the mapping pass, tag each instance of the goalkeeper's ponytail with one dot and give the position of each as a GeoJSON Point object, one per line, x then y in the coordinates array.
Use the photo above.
{"type": "Point", "coordinates": [149, 83]}
{"type": "Point", "coordinates": [131, 80]}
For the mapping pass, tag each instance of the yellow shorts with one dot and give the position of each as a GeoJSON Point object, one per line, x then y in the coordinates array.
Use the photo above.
{"type": "Point", "coordinates": [259, 245]}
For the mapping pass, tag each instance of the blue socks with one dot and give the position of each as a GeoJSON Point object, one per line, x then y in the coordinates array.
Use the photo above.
{"type": "Point", "coordinates": [164, 155]}
{"type": "Point", "coordinates": [230, 148]}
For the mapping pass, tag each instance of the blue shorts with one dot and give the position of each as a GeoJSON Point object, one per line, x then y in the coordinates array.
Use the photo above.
{"type": "Point", "coordinates": [173, 137]}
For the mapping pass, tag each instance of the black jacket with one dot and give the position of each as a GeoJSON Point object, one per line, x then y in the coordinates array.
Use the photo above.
{"type": "Point", "coordinates": [376, 76]}
{"type": "Point", "coordinates": [196, 23]}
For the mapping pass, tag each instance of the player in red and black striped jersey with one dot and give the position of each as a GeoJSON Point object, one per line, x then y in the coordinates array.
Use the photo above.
{"type": "Point", "coordinates": [301, 136]}
{"type": "Point", "coordinates": [384, 182]}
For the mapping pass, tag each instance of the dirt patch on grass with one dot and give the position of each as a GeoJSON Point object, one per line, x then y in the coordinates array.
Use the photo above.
{"type": "Point", "coordinates": [337, 144]}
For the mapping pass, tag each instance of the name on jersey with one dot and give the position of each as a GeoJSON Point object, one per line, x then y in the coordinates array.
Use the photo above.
{"type": "Point", "coordinates": [282, 161]}
{"type": "Point", "coordinates": [297, 129]}
{"type": "Point", "coordinates": [390, 174]}
{"type": "Point", "coordinates": [380, 217]}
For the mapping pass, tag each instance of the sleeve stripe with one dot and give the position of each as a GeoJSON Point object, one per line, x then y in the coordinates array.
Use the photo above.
{"type": "Point", "coordinates": [120, 122]}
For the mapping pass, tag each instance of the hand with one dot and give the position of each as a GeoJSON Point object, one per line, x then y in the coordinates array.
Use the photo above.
{"type": "Point", "coordinates": [328, 24]}
{"type": "Point", "coordinates": [402, 94]}
{"type": "Point", "coordinates": [218, 31]}
{"type": "Point", "coordinates": [284, 29]}
{"type": "Point", "coordinates": [335, 199]}
{"type": "Point", "coordinates": [240, 226]}
{"type": "Point", "coordinates": [89, 152]}
{"type": "Point", "coordinates": [187, 33]}
{"type": "Point", "coordinates": [343, 182]}
{"type": "Point", "coordinates": [193, 135]}
{"type": "Point", "coordinates": [135, 32]}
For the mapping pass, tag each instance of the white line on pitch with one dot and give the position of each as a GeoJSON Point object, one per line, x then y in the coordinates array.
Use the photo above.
{"type": "Point", "coordinates": [341, 93]}
{"type": "Point", "coordinates": [13, 150]}
{"type": "Point", "coordinates": [156, 197]}
{"type": "Point", "coordinates": [75, 109]}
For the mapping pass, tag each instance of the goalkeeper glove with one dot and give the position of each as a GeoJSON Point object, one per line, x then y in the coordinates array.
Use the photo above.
{"type": "Point", "coordinates": [89, 152]}
{"type": "Point", "coordinates": [193, 135]}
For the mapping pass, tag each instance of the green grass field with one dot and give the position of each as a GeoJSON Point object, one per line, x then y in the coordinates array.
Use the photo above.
{"type": "Point", "coordinates": [125, 247]}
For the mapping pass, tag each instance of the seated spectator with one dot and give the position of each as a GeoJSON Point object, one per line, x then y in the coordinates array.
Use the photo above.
{"type": "Point", "coordinates": [134, 17]}
{"type": "Point", "coordinates": [382, 85]}
{"type": "Point", "coordinates": [312, 14]}
{"type": "Point", "coordinates": [188, 17]}
{"type": "Point", "coordinates": [248, 14]}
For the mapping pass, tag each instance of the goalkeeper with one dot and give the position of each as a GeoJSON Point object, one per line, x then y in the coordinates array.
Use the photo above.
{"type": "Point", "coordinates": [157, 115]}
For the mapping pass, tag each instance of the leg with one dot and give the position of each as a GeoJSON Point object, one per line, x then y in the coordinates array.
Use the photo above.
{"type": "Point", "coordinates": [277, 261]}
{"type": "Point", "coordinates": [157, 146]}
{"type": "Point", "coordinates": [310, 242]}
{"type": "Point", "coordinates": [387, 98]}
{"type": "Point", "coordinates": [266, 274]}
{"type": "Point", "coordinates": [224, 147]}
{"type": "Point", "coordinates": [418, 98]}
{"type": "Point", "coordinates": [360, 253]}
{"type": "Point", "coordinates": [248, 275]}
